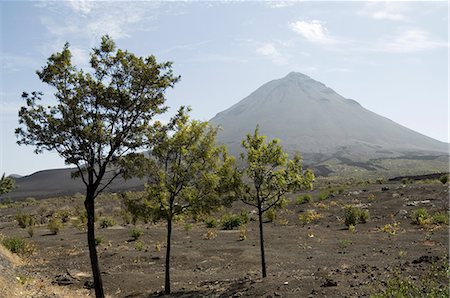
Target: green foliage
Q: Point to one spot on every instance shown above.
(25, 220)
(188, 171)
(444, 179)
(440, 218)
(138, 207)
(6, 184)
(136, 233)
(231, 221)
(306, 198)
(309, 216)
(419, 216)
(433, 285)
(64, 215)
(98, 240)
(211, 222)
(271, 175)
(354, 215)
(271, 215)
(107, 222)
(100, 116)
(139, 245)
(55, 225)
(18, 246)
(127, 217)
(268, 176)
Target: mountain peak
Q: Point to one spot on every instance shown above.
(294, 74)
(310, 117)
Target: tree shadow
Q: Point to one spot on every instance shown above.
(219, 289)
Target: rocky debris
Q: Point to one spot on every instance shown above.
(329, 283)
(64, 280)
(416, 203)
(426, 259)
(402, 214)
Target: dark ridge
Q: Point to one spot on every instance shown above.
(419, 177)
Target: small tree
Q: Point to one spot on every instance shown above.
(187, 173)
(6, 184)
(268, 177)
(99, 117)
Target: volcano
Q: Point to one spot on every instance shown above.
(311, 118)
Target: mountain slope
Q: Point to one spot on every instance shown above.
(311, 118)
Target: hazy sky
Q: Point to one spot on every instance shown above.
(392, 57)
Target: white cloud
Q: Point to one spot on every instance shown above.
(412, 40)
(280, 4)
(313, 31)
(80, 6)
(267, 49)
(270, 51)
(393, 11)
(117, 19)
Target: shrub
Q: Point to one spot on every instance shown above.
(309, 216)
(210, 234)
(25, 220)
(107, 222)
(211, 222)
(243, 214)
(306, 198)
(127, 217)
(55, 224)
(323, 195)
(271, 214)
(440, 218)
(139, 245)
(444, 178)
(231, 221)
(64, 215)
(136, 234)
(243, 233)
(18, 246)
(98, 240)
(354, 215)
(419, 216)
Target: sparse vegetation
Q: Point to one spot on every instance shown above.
(25, 220)
(444, 179)
(18, 246)
(98, 240)
(210, 234)
(306, 198)
(271, 215)
(55, 225)
(107, 222)
(211, 222)
(136, 234)
(419, 216)
(232, 221)
(309, 216)
(354, 215)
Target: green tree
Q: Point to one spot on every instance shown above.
(267, 177)
(6, 184)
(99, 117)
(189, 174)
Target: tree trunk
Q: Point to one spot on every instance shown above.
(169, 236)
(261, 243)
(90, 209)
